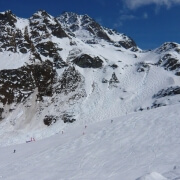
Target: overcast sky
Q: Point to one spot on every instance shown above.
(149, 22)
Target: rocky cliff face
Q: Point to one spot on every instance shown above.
(169, 59)
(70, 68)
(31, 37)
(91, 32)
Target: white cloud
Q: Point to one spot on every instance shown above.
(145, 15)
(127, 17)
(123, 18)
(118, 24)
(134, 4)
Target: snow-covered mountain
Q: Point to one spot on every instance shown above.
(70, 68)
(61, 74)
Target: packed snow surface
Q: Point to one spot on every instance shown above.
(152, 176)
(137, 146)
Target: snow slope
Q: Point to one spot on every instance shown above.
(102, 100)
(140, 75)
(143, 144)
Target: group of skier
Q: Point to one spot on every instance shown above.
(33, 139)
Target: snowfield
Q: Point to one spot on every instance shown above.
(137, 146)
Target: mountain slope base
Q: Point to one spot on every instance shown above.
(125, 148)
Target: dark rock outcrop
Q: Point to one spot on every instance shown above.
(104, 80)
(41, 21)
(68, 118)
(11, 38)
(41, 26)
(167, 47)
(69, 81)
(113, 79)
(142, 66)
(86, 61)
(17, 84)
(114, 66)
(170, 63)
(171, 91)
(127, 44)
(7, 18)
(49, 120)
(58, 62)
(48, 49)
(73, 22)
(70, 21)
(1, 111)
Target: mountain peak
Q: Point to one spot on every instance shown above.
(40, 14)
(7, 12)
(71, 17)
(91, 32)
(82, 26)
(8, 17)
(67, 13)
(168, 46)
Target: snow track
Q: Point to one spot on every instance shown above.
(127, 148)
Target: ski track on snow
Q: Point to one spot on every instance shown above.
(127, 148)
